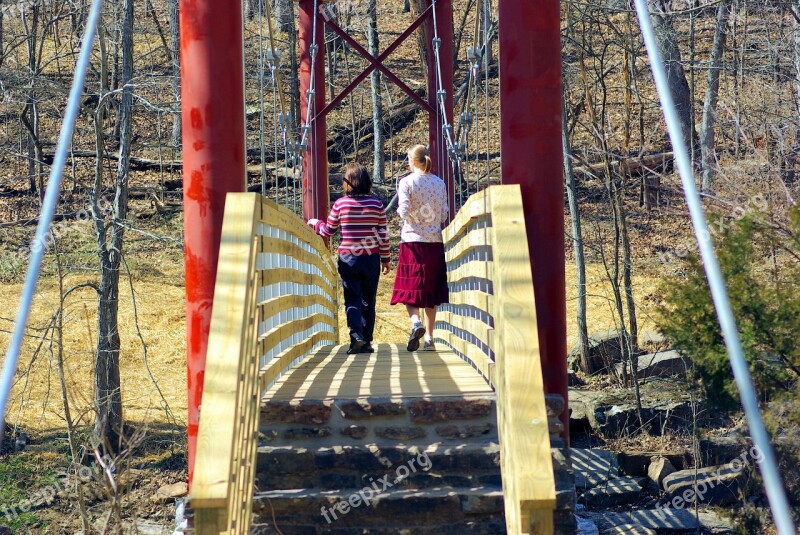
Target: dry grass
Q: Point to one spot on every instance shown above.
(36, 400)
(160, 303)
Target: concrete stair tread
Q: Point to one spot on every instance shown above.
(298, 460)
(392, 493)
(488, 447)
(388, 506)
(417, 409)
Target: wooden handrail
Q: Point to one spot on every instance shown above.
(262, 325)
(491, 322)
(251, 342)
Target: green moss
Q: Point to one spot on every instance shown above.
(24, 483)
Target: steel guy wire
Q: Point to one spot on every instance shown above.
(48, 208)
(768, 466)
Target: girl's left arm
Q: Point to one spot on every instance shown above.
(329, 227)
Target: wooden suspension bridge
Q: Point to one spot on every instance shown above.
(273, 362)
(284, 429)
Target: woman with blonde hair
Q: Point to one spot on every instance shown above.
(421, 281)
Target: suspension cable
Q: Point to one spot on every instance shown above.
(39, 243)
(275, 130)
(487, 48)
(276, 54)
(769, 470)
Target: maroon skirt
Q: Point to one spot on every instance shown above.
(421, 275)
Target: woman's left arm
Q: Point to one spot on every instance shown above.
(404, 198)
(444, 212)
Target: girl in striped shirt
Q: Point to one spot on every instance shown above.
(363, 252)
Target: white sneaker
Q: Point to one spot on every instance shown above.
(417, 332)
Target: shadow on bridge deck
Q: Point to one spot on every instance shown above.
(390, 372)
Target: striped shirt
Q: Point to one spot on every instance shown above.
(363, 225)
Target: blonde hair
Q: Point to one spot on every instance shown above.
(417, 154)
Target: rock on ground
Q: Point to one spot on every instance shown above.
(614, 492)
(170, 492)
(659, 468)
(593, 467)
(660, 364)
(605, 349)
(715, 485)
(629, 529)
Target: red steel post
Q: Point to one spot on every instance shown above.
(315, 159)
(530, 142)
(212, 104)
(437, 141)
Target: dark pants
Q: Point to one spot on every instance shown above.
(360, 275)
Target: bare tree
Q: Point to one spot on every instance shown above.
(175, 44)
(255, 7)
(2, 50)
(707, 143)
(378, 173)
(30, 113)
(577, 245)
(789, 174)
(667, 40)
(108, 396)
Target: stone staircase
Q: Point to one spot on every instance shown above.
(387, 466)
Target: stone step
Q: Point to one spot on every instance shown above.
(363, 510)
(381, 421)
(336, 467)
(419, 410)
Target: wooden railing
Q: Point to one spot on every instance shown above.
(274, 303)
(491, 322)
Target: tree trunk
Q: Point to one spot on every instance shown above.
(423, 39)
(667, 40)
(633, 327)
(255, 7)
(284, 13)
(151, 10)
(378, 174)
(108, 425)
(707, 144)
(487, 23)
(791, 161)
(577, 246)
(2, 55)
(175, 43)
(31, 106)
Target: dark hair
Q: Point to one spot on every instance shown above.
(356, 180)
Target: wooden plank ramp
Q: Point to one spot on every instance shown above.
(330, 373)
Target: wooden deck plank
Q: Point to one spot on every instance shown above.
(391, 371)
